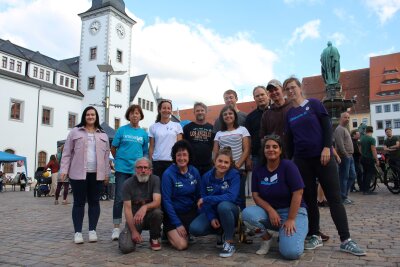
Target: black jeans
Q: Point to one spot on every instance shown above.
(328, 177)
(359, 172)
(159, 166)
(368, 165)
(86, 190)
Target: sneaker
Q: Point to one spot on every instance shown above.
(155, 244)
(351, 247)
(92, 236)
(227, 250)
(220, 241)
(347, 201)
(313, 242)
(265, 246)
(78, 239)
(115, 234)
(55, 202)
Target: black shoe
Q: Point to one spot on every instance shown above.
(323, 236)
(370, 193)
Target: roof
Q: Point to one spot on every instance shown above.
(135, 84)
(117, 4)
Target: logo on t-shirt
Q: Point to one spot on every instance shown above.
(270, 180)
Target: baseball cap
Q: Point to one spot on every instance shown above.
(274, 83)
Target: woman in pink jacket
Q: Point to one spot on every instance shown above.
(85, 160)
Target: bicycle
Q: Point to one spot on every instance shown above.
(388, 175)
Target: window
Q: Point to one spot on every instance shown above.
(147, 104)
(118, 85)
(72, 83)
(91, 82)
(140, 102)
(365, 121)
(12, 64)
(71, 120)
(61, 80)
(378, 109)
(42, 159)
(119, 56)
(143, 103)
(4, 62)
(396, 107)
(379, 125)
(19, 66)
(46, 116)
(386, 108)
(41, 75)
(355, 123)
(117, 122)
(381, 140)
(396, 123)
(9, 167)
(388, 123)
(151, 106)
(16, 110)
(66, 82)
(93, 53)
(47, 75)
(35, 72)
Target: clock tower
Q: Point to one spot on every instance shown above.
(105, 56)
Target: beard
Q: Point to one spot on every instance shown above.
(142, 178)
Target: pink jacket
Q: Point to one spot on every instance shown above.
(74, 156)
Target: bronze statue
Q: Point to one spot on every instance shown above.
(330, 65)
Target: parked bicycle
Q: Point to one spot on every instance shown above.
(386, 174)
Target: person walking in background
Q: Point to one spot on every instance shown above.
(238, 138)
(85, 161)
(199, 134)
(54, 166)
(355, 138)
(180, 188)
(60, 184)
(130, 143)
(309, 141)
(163, 135)
(277, 189)
(369, 158)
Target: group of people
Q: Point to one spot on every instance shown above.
(183, 182)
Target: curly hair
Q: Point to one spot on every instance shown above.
(182, 145)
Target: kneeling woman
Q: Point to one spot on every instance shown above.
(277, 189)
(180, 192)
(219, 201)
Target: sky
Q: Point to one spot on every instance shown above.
(194, 50)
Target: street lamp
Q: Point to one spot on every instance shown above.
(108, 70)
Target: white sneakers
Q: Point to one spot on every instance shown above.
(115, 234)
(265, 246)
(78, 239)
(92, 236)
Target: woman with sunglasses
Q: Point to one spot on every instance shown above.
(309, 141)
(277, 189)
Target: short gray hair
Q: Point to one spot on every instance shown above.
(201, 104)
(145, 159)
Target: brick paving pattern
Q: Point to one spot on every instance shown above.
(35, 232)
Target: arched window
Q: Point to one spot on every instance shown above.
(42, 159)
(9, 167)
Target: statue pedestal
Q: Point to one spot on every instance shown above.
(335, 103)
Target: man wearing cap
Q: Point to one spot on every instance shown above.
(274, 117)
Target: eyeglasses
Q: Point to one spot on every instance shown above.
(145, 168)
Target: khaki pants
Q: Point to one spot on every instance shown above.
(53, 183)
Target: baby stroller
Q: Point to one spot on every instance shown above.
(42, 187)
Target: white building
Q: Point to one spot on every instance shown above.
(42, 98)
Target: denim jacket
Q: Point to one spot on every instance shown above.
(74, 156)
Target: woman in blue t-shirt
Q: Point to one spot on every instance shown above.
(309, 142)
(180, 189)
(219, 201)
(277, 189)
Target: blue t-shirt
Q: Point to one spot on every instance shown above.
(277, 187)
(132, 144)
(304, 126)
(180, 192)
(214, 191)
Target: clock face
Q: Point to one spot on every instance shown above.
(120, 30)
(94, 27)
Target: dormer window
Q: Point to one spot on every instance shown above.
(4, 62)
(35, 72)
(12, 64)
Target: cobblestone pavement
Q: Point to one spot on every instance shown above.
(35, 232)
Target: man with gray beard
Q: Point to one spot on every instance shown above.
(142, 207)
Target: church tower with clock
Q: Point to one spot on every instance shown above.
(105, 56)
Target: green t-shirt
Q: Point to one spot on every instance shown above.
(391, 142)
(366, 143)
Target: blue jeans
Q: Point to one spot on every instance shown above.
(228, 214)
(291, 247)
(120, 178)
(347, 175)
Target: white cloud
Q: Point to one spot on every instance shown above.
(385, 9)
(337, 38)
(379, 53)
(308, 30)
